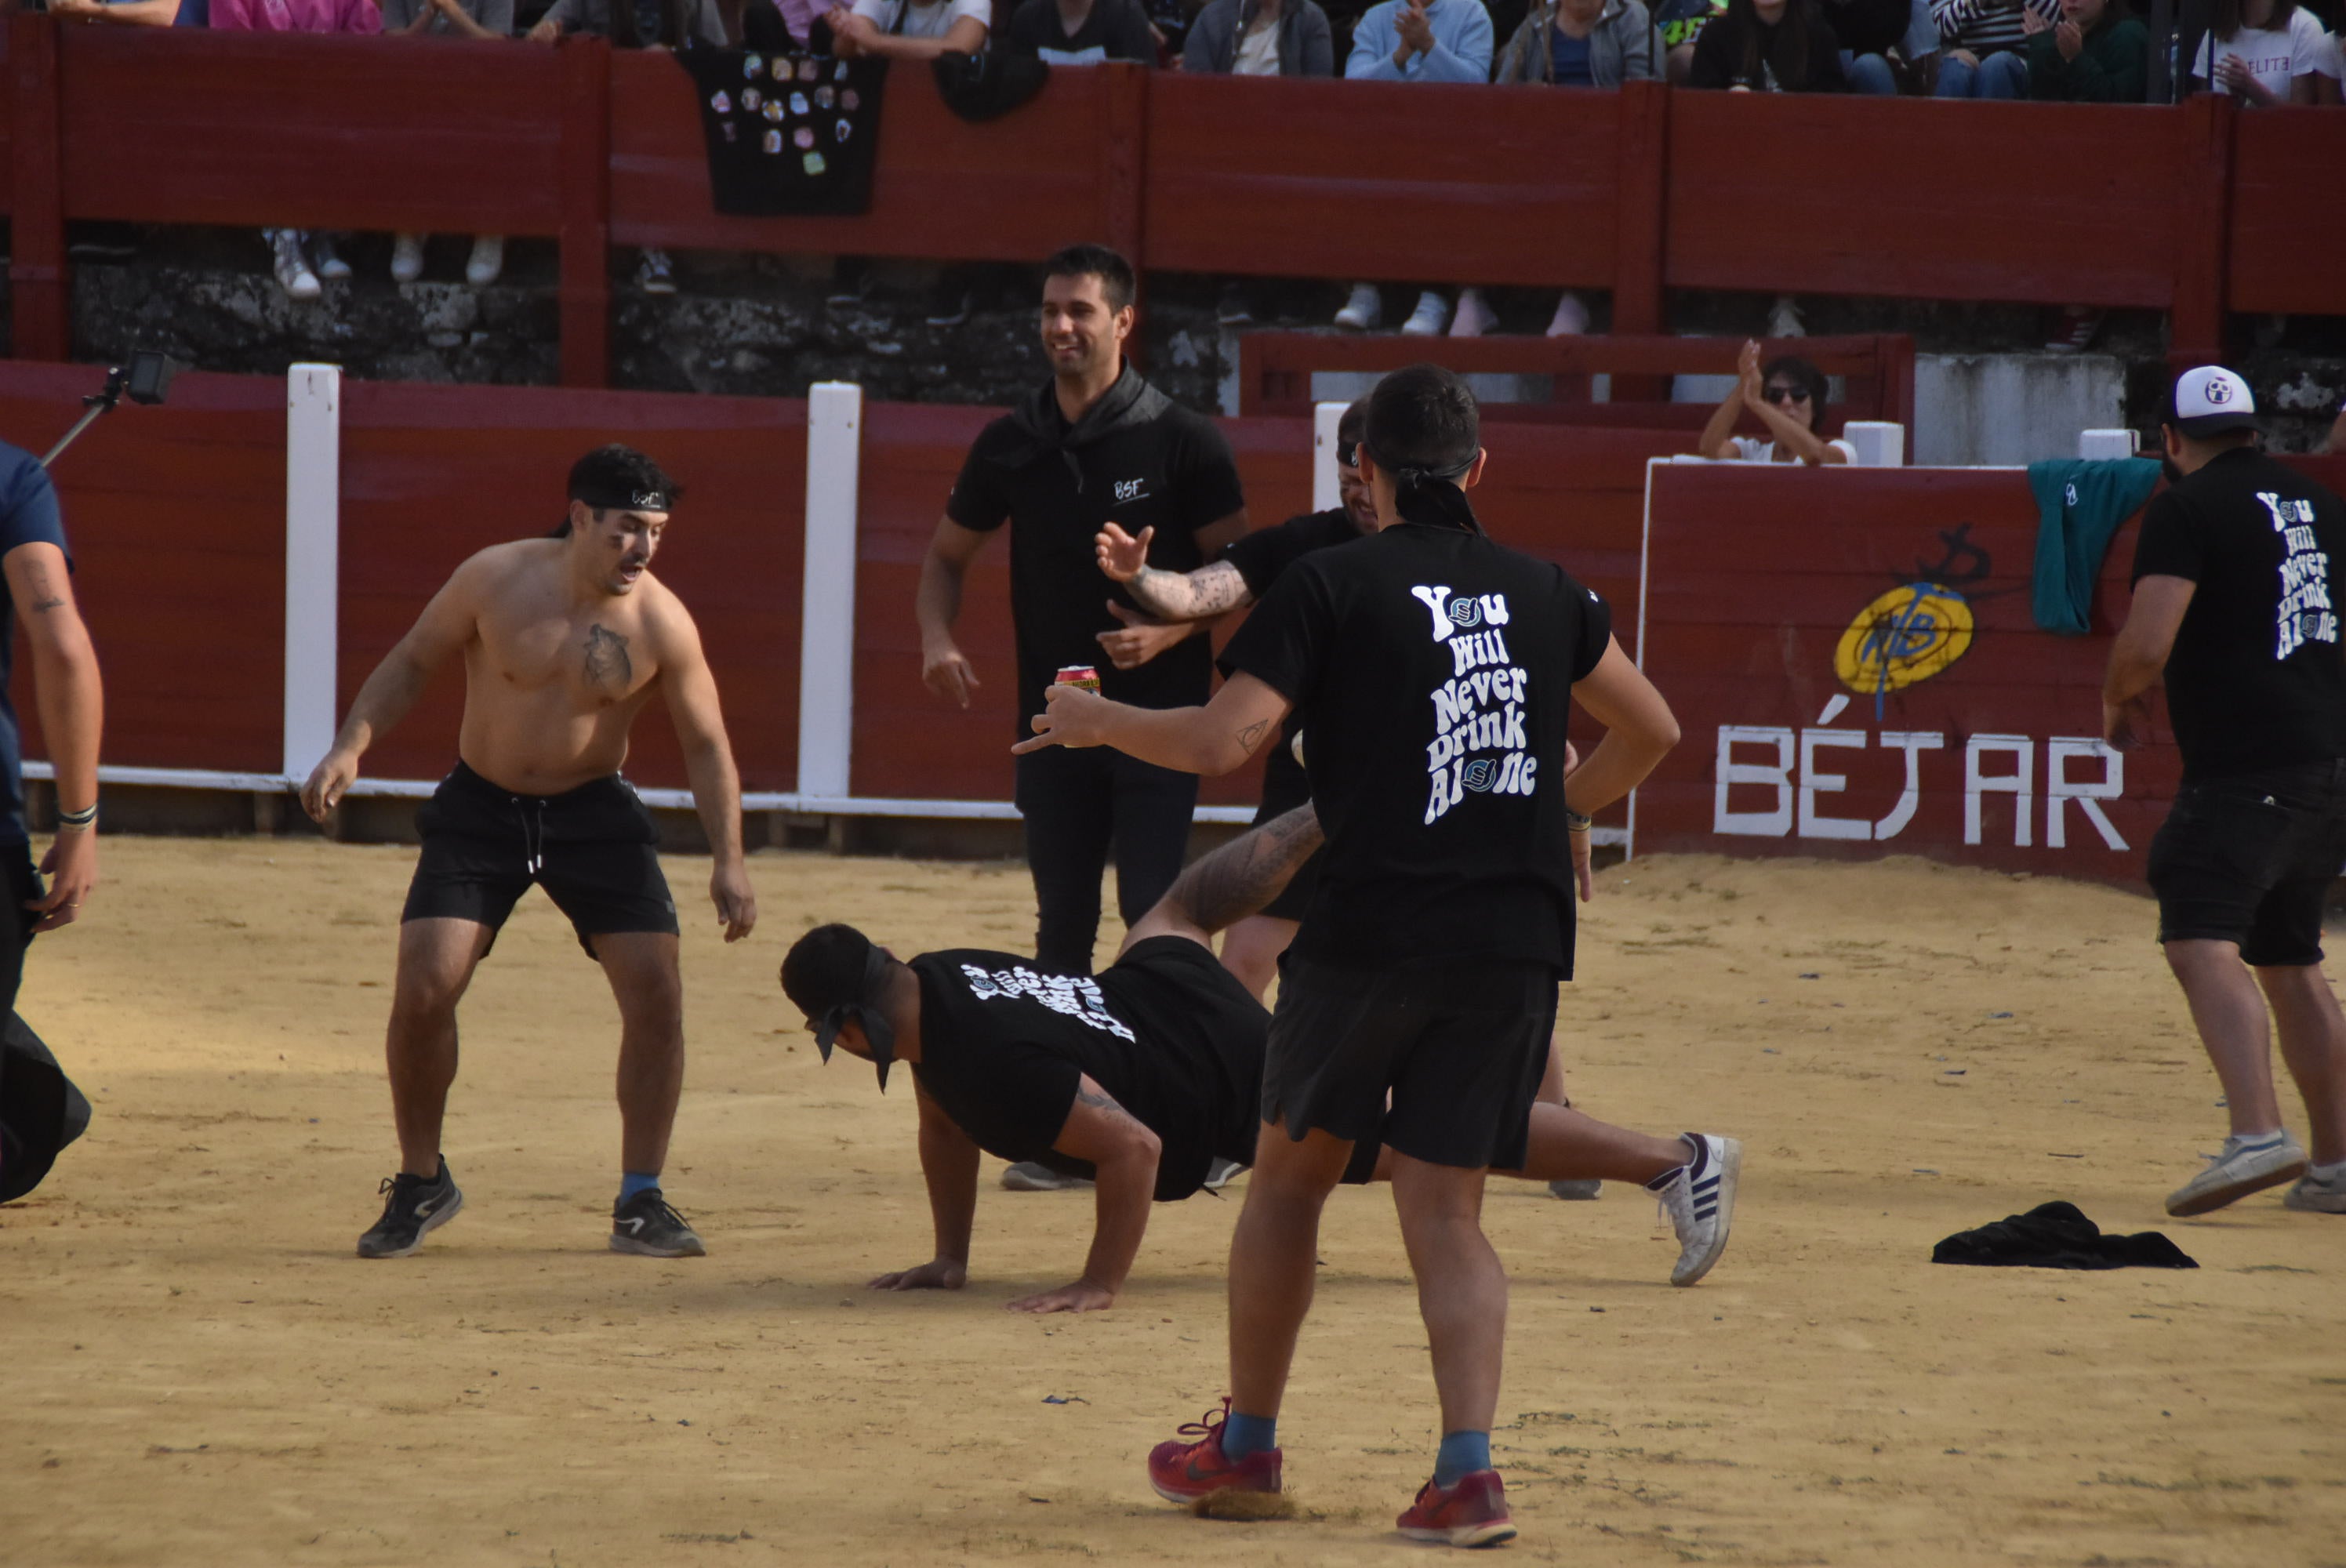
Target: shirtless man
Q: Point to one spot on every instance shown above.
(565, 640)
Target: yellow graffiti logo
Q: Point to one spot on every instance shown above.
(1909, 634)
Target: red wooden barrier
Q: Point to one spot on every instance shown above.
(432, 474)
(177, 520)
(2286, 253)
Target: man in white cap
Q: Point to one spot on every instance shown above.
(2236, 593)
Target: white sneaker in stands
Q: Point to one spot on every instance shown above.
(294, 274)
(1571, 318)
(1426, 320)
(488, 259)
(1784, 319)
(1475, 315)
(653, 273)
(406, 258)
(1363, 311)
(328, 260)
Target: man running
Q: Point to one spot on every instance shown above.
(565, 640)
(1438, 669)
(1142, 1076)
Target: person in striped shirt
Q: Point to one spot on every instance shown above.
(1987, 45)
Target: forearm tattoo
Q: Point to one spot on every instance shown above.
(607, 659)
(1221, 888)
(1189, 595)
(1102, 1101)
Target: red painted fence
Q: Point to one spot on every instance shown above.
(2196, 209)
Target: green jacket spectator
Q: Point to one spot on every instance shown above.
(2093, 55)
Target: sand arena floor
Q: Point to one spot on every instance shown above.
(197, 1371)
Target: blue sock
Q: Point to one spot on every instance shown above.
(634, 1182)
(1243, 1435)
(1462, 1454)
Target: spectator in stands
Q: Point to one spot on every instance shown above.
(1769, 46)
(1580, 44)
(2265, 52)
(1986, 43)
(1788, 395)
(1873, 32)
(120, 13)
(1680, 23)
(1421, 41)
(639, 25)
(300, 259)
(1261, 38)
(2096, 54)
(910, 29)
(1081, 32)
(449, 19)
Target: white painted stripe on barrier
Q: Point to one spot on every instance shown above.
(827, 618)
(1325, 491)
(314, 502)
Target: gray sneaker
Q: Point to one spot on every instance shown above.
(413, 1208)
(647, 1226)
(1218, 1174)
(1576, 1190)
(1028, 1177)
(2315, 1195)
(1700, 1199)
(2235, 1173)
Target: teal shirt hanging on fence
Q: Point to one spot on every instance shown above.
(2080, 506)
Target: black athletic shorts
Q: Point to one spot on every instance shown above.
(2249, 858)
(593, 849)
(1460, 1046)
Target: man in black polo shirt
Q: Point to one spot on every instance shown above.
(1243, 573)
(1094, 444)
(1438, 670)
(1139, 1079)
(2237, 588)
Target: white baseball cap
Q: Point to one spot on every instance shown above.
(2209, 400)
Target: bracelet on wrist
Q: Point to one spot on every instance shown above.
(78, 821)
(1576, 822)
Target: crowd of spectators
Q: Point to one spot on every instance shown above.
(2261, 52)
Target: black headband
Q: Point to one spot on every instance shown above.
(611, 498)
(864, 1013)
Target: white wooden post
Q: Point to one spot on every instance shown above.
(1324, 491)
(313, 512)
(1879, 443)
(2104, 443)
(827, 620)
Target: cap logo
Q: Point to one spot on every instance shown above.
(2217, 391)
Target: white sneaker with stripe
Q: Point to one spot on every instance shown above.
(1698, 1196)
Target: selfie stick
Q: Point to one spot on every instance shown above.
(145, 379)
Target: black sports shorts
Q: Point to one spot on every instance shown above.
(593, 849)
(1460, 1045)
(2249, 858)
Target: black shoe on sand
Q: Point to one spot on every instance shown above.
(645, 1225)
(417, 1207)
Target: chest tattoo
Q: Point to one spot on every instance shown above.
(607, 659)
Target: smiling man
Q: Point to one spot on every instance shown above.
(1094, 445)
(565, 640)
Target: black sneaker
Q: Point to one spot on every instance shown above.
(418, 1206)
(645, 1223)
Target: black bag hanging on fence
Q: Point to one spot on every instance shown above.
(789, 135)
(40, 1110)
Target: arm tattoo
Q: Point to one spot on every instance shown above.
(607, 659)
(1103, 1101)
(1234, 882)
(1189, 595)
(1251, 736)
(46, 605)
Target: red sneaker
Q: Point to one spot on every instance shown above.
(1186, 1471)
(1472, 1513)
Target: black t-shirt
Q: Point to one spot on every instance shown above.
(1721, 59)
(2255, 678)
(1172, 472)
(28, 515)
(1115, 30)
(1260, 556)
(1437, 669)
(1167, 1031)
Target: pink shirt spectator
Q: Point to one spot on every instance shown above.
(298, 16)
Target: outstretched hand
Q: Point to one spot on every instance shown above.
(1122, 556)
(1083, 1296)
(937, 1274)
(1070, 717)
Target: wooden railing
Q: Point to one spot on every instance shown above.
(2196, 210)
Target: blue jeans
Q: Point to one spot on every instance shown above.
(2000, 75)
(1868, 74)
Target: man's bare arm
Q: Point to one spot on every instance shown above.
(1211, 590)
(1210, 740)
(446, 625)
(2139, 655)
(72, 702)
(693, 707)
(1218, 889)
(1123, 1155)
(949, 1168)
(936, 605)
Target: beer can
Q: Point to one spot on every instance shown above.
(1082, 674)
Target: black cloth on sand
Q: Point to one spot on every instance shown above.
(2058, 1236)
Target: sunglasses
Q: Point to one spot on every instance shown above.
(1786, 395)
